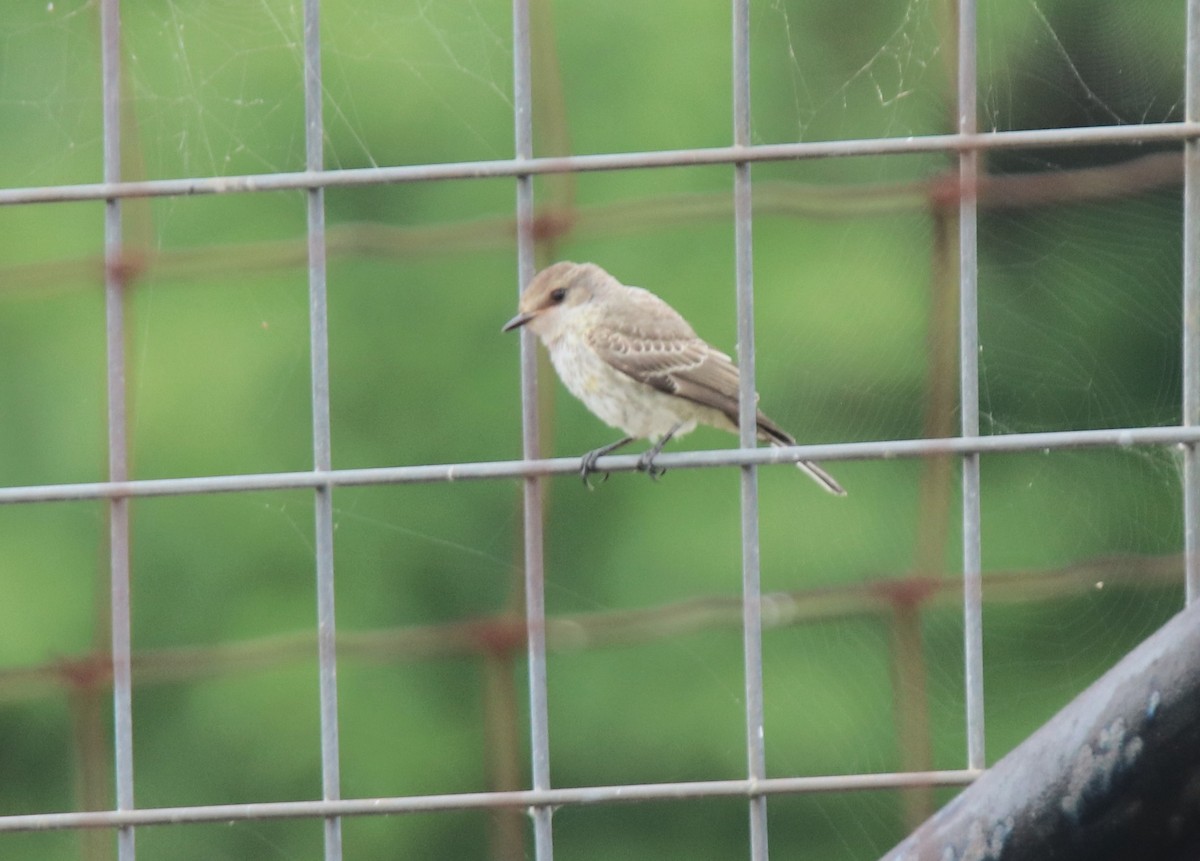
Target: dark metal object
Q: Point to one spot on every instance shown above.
(1114, 775)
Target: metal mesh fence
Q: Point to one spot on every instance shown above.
(542, 798)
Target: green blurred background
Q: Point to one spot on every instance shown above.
(1080, 322)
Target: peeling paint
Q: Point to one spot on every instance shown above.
(1152, 705)
(1097, 764)
(984, 842)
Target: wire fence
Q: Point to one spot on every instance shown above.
(542, 798)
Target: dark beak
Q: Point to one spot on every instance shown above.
(518, 321)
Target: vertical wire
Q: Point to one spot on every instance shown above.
(969, 383)
(1191, 308)
(535, 596)
(322, 444)
(118, 462)
(747, 411)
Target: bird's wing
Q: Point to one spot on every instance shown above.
(668, 356)
(657, 347)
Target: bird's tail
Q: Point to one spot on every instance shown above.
(821, 477)
(770, 432)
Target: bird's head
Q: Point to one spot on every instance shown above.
(555, 291)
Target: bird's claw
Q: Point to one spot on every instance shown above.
(646, 464)
(587, 468)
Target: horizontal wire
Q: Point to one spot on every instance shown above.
(484, 800)
(481, 470)
(1130, 134)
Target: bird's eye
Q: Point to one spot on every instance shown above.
(558, 294)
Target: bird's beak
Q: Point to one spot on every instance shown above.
(518, 321)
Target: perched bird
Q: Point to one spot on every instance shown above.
(636, 363)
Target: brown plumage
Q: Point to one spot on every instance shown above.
(636, 363)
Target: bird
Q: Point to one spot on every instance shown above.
(636, 364)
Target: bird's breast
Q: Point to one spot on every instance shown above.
(617, 399)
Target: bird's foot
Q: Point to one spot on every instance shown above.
(646, 461)
(587, 468)
(646, 464)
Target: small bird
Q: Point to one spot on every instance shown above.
(636, 363)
